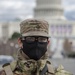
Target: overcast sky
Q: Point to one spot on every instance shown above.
(10, 9)
(69, 9)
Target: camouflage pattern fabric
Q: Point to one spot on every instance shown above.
(31, 67)
(60, 71)
(33, 27)
(2, 72)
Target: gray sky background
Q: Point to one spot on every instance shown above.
(10, 9)
(69, 8)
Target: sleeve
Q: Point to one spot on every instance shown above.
(60, 71)
(2, 72)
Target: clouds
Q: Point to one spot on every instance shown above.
(69, 9)
(11, 9)
(69, 5)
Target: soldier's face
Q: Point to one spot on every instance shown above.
(34, 46)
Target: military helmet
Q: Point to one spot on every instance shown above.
(34, 27)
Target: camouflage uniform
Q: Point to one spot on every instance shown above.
(26, 66)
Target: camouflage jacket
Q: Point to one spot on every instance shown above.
(26, 66)
(31, 67)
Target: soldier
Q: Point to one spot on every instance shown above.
(33, 56)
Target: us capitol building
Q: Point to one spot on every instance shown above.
(60, 28)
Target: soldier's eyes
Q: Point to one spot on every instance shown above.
(32, 39)
(42, 39)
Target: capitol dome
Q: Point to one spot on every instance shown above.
(49, 9)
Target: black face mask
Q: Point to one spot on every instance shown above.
(34, 50)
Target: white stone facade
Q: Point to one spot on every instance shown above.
(60, 28)
(52, 11)
(49, 9)
(8, 28)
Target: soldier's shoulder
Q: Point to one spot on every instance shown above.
(57, 70)
(61, 71)
(12, 65)
(2, 72)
